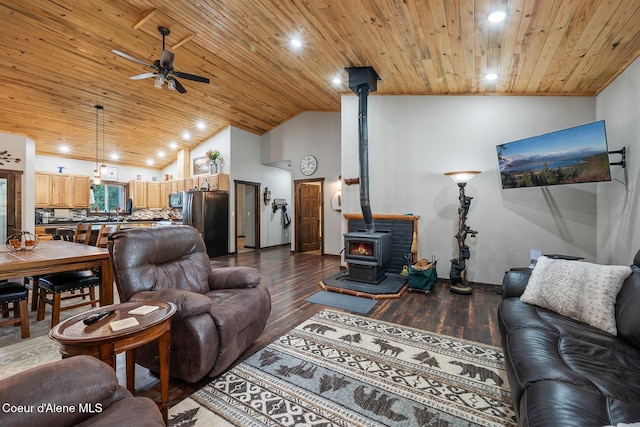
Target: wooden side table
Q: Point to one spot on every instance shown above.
(100, 341)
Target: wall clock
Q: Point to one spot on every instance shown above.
(308, 164)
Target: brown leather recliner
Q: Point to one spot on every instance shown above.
(220, 311)
(79, 390)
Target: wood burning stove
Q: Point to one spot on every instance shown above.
(367, 254)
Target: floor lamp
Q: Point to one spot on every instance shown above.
(458, 273)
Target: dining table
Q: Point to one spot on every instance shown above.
(56, 256)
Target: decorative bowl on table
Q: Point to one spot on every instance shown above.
(22, 241)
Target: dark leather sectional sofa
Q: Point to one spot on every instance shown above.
(565, 373)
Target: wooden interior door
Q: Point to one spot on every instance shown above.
(309, 218)
(10, 203)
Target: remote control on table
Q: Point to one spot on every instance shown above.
(90, 320)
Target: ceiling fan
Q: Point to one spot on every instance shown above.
(163, 68)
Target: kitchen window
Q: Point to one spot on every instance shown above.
(108, 197)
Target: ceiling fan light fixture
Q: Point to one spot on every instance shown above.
(171, 84)
(160, 81)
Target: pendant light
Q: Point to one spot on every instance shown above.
(103, 166)
(96, 172)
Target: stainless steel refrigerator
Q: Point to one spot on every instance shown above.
(208, 212)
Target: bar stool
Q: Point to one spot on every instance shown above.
(13, 297)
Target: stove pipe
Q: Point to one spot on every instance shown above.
(362, 81)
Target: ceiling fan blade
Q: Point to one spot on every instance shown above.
(191, 77)
(166, 59)
(131, 58)
(142, 76)
(179, 86)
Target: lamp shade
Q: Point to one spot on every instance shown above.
(462, 177)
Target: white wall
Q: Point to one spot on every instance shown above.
(413, 140)
(316, 133)
(83, 167)
(246, 165)
(23, 148)
(619, 200)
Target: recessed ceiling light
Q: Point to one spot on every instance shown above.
(150, 162)
(201, 125)
(114, 156)
(64, 149)
(497, 16)
(490, 76)
(186, 135)
(295, 42)
(173, 145)
(160, 153)
(336, 81)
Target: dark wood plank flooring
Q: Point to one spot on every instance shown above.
(292, 277)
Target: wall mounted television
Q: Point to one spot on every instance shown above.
(569, 156)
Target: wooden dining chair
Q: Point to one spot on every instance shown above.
(103, 235)
(83, 233)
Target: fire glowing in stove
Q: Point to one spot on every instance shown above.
(361, 249)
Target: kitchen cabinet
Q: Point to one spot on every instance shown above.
(190, 183)
(42, 189)
(154, 199)
(138, 194)
(81, 191)
(216, 182)
(61, 190)
(165, 190)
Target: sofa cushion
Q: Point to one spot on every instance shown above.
(627, 319)
(580, 290)
(552, 403)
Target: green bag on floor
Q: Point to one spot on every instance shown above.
(423, 279)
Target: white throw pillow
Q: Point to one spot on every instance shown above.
(580, 290)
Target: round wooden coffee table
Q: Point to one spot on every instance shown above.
(100, 341)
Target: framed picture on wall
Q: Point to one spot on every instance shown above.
(109, 174)
(201, 165)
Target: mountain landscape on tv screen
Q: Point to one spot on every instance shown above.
(571, 156)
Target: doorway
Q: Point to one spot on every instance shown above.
(10, 203)
(309, 208)
(247, 218)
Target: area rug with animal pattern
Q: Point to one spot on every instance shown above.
(340, 369)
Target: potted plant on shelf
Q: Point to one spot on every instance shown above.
(215, 159)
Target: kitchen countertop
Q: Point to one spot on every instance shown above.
(72, 224)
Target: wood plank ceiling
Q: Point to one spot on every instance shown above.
(56, 62)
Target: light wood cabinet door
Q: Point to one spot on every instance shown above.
(138, 194)
(222, 183)
(165, 190)
(153, 195)
(42, 189)
(217, 181)
(61, 190)
(81, 186)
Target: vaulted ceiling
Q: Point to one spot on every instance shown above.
(57, 63)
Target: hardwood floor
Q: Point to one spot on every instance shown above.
(293, 277)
